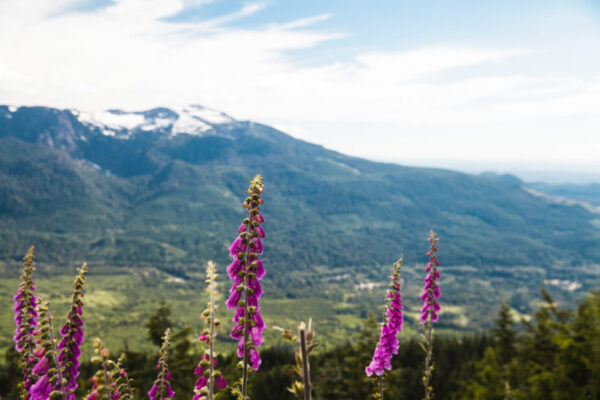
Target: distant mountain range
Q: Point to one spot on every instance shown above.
(164, 188)
(587, 193)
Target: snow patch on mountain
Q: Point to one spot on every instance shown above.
(112, 120)
(190, 125)
(156, 123)
(191, 120)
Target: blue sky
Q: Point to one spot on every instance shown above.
(504, 85)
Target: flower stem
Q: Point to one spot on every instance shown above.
(246, 316)
(211, 381)
(381, 387)
(54, 354)
(428, 366)
(107, 379)
(305, 365)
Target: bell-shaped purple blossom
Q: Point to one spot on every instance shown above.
(42, 366)
(42, 388)
(72, 336)
(255, 360)
(203, 371)
(388, 340)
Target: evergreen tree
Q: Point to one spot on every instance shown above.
(504, 335)
(158, 322)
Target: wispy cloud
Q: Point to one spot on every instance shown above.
(246, 10)
(302, 22)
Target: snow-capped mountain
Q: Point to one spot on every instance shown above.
(190, 120)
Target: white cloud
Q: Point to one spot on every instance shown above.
(128, 56)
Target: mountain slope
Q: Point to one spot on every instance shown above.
(163, 188)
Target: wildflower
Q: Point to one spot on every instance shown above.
(392, 325)
(431, 291)
(72, 335)
(42, 388)
(388, 340)
(26, 321)
(430, 310)
(246, 270)
(208, 377)
(161, 389)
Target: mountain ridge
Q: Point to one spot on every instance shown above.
(152, 197)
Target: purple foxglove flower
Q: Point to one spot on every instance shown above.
(259, 269)
(252, 301)
(237, 331)
(161, 389)
(430, 310)
(246, 270)
(42, 366)
(431, 290)
(26, 321)
(72, 335)
(234, 299)
(201, 382)
(234, 268)
(42, 388)
(256, 245)
(221, 382)
(254, 285)
(256, 336)
(388, 340)
(258, 321)
(255, 360)
(238, 246)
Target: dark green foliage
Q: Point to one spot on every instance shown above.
(504, 334)
(10, 374)
(557, 356)
(344, 371)
(158, 322)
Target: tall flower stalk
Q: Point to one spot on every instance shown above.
(246, 270)
(161, 389)
(26, 321)
(208, 376)
(430, 310)
(72, 335)
(392, 325)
